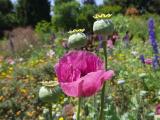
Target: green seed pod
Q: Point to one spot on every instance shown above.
(47, 95)
(103, 26)
(77, 40)
(143, 75)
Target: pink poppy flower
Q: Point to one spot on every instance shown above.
(158, 109)
(148, 61)
(81, 73)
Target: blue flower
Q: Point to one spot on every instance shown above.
(155, 62)
(152, 36)
(142, 59)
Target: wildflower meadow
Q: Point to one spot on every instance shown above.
(79, 60)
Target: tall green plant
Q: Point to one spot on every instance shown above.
(65, 15)
(32, 11)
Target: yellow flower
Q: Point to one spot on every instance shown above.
(3, 74)
(110, 58)
(1, 98)
(55, 78)
(10, 68)
(23, 91)
(30, 114)
(18, 113)
(61, 118)
(121, 55)
(113, 94)
(9, 71)
(41, 61)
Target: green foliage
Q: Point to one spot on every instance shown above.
(8, 21)
(121, 23)
(43, 27)
(59, 2)
(7, 17)
(135, 25)
(32, 11)
(153, 6)
(142, 5)
(44, 30)
(65, 15)
(85, 18)
(5, 6)
(114, 9)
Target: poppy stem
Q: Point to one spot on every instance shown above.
(101, 117)
(105, 52)
(78, 112)
(50, 111)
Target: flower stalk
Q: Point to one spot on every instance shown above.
(50, 111)
(79, 105)
(101, 117)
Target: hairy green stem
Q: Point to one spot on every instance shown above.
(101, 117)
(50, 111)
(78, 112)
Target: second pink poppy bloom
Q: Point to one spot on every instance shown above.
(81, 73)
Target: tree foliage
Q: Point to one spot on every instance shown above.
(69, 15)
(65, 14)
(153, 6)
(85, 18)
(7, 16)
(142, 5)
(89, 2)
(5, 6)
(59, 2)
(32, 11)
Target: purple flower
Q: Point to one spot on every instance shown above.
(155, 62)
(152, 36)
(142, 59)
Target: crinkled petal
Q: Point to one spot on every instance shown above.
(66, 73)
(87, 85)
(78, 63)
